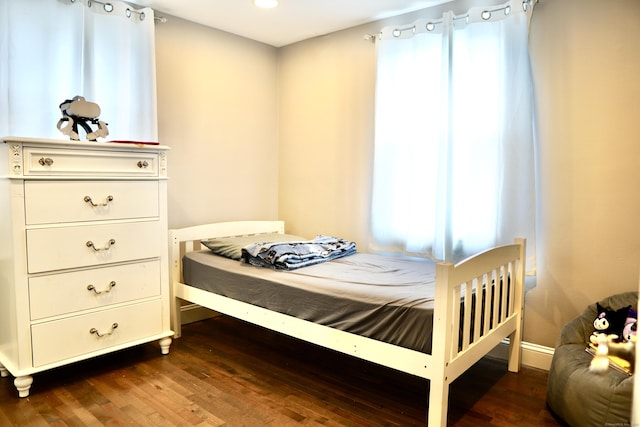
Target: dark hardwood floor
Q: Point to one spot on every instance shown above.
(223, 372)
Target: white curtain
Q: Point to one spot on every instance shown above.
(454, 144)
(53, 50)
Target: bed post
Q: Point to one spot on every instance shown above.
(438, 401)
(174, 277)
(515, 339)
(441, 348)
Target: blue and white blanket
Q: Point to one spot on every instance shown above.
(293, 255)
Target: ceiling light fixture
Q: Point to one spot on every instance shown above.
(266, 4)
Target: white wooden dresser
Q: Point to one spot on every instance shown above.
(83, 252)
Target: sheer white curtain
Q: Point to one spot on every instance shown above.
(53, 50)
(454, 146)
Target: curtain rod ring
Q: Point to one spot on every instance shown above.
(398, 31)
(108, 7)
(129, 11)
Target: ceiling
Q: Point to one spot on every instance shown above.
(290, 22)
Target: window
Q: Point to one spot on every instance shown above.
(454, 146)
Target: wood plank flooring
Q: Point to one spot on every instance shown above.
(224, 372)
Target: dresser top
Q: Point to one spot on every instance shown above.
(40, 158)
(84, 144)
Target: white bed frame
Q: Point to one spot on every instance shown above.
(453, 282)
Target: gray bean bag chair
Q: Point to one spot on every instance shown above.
(578, 396)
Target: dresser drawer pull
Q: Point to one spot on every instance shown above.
(96, 332)
(48, 161)
(143, 164)
(106, 291)
(106, 248)
(88, 200)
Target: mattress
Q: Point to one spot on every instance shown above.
(385, 298)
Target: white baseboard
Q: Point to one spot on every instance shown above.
(537, 356)
(190, 313)
(533, 355)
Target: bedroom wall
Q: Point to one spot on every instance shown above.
(235, 157)
(586, 67)
(326, 104)
(218, 111)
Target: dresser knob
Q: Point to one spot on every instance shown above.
(93, 331)
(88, 200)
(106, 291)
(45, 161)
(143, 164)
(106, 248)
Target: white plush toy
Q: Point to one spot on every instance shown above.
(78, 111)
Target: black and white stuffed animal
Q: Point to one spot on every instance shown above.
(78, 111)
(610, 322)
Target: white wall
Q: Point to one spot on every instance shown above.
(218, 111)
(326, 112)
(586, 63)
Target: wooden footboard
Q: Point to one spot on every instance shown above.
(478, 304)
(493, 281)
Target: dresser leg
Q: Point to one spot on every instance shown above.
(165, 343)
(3, 371)
(23, 384)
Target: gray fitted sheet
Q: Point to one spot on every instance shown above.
(386, 298)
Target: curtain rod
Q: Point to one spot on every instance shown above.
(431, 25)
(108, 7)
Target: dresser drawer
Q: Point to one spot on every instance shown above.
(64, 293)
(58, 162)
(91, 245)
(67, 201)
(77, 335)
